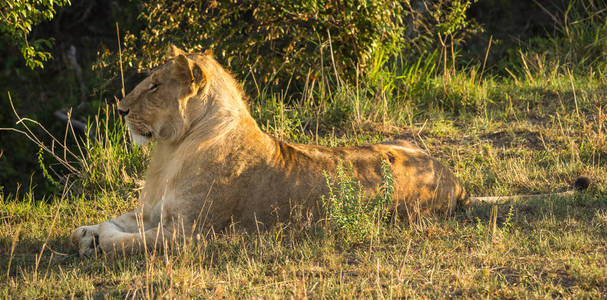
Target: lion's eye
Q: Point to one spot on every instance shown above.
(153, 86)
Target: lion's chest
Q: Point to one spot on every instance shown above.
(159, 192)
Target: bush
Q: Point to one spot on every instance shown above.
(18, 19)
(275, 41)
(353, 216)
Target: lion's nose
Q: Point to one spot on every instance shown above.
(123, 112)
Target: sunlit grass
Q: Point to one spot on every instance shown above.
(499, 135)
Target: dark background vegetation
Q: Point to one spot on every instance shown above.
(270, 46)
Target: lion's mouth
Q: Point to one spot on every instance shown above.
(139, 137)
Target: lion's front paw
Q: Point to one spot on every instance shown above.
(86, 240)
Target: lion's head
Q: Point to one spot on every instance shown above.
(159, 108)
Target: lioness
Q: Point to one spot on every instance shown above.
(212, 165)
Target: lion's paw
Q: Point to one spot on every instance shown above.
(86, 240)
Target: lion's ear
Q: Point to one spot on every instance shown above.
(198, 74)
(173, 51)
(182, 70)
(187, 71)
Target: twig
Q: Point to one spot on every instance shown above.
(120, 58)
(69, 124)
(486, 56)
(577, 111)
(55, 217)
(13, 246)
(32, 137)
(333, 61)
(552, 16)
(75, 123)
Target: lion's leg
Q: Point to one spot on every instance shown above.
(131, 233)
(87, 238)
(115, 242)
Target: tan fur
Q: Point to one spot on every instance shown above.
(213, 166)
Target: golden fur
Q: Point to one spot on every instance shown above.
(213, 166)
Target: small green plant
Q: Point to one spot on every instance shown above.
(507, 226)
(354, 217)
(480, 228)
(42, 166)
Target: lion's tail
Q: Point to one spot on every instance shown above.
(580, 184)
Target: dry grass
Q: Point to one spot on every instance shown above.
(514, 136)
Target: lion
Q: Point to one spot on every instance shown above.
(212, 166)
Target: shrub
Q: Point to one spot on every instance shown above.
(275, 41)
(354, 217)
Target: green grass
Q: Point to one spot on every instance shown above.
(529, 133)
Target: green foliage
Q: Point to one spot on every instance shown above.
(274, 41)
(581, 42)
(18, 19)
(101, 161)
(281, 43)
(439, 25)
(508, 223)
(398, 79)
(386, 190)
(480, 229)
(354, 216)
(453, 19)
(110, 162)
(44, 170)
(573, 42)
